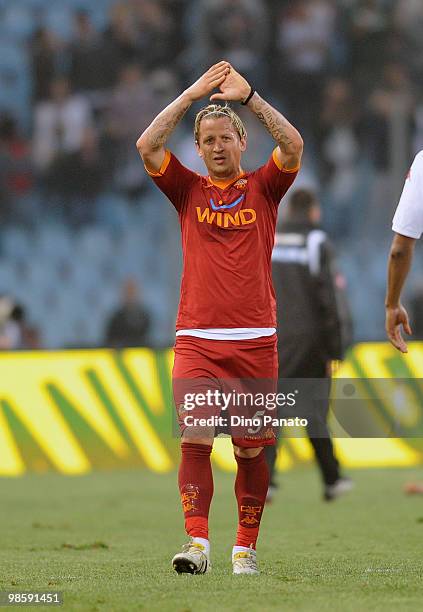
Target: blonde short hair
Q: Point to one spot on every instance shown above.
(216, 111)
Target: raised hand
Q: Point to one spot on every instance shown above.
(233, 88)
(208, 81)
(395, 318)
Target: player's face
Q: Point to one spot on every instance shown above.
(220, 147)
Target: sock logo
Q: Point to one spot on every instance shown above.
(189, 495)
(250, 515)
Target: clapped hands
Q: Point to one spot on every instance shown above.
(232, 85)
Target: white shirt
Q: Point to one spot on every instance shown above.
(408, 218)
(234, 333)
(59, 127)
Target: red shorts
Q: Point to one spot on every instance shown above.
(242, 369)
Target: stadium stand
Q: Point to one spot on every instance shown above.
(65, 256)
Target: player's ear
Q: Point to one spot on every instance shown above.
(243, 144)
(199, 151)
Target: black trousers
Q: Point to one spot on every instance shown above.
(301, 357)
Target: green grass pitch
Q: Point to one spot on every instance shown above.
(105, 540)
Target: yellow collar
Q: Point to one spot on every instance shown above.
(224, 184)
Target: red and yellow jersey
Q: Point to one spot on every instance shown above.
(228, 231)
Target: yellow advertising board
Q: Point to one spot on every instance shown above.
(75, 411)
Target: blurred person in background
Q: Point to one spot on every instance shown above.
(243, 36)
(15, 331)
(408, 227)
(28, 333)
(130, 324)
(226, 319)
(164, 85)
(46, 51)
(10, 336)
(408, 19)
(60, 123)
(339, 156)
(121, 37)
(238, 38)
(91, 58)
(369, 33)
(16, 172)
(61, 127)
(130, 104)
(416, 308)
(314, 326)
(80, 177)
(387, 134)
(157, 32)
(391, 93)
(305, 31)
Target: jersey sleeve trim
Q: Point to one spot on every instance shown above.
(163, 167)
(405, 232)
(280, 166)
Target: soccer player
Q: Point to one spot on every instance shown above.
(226, 324)
(408, 227)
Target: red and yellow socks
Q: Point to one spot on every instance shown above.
(196, 488)
(251, 484)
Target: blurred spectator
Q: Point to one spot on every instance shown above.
(91, 58)
(63, 146)
(416, 311)
(121, 37)
(131, 109)
(9, 330)
(388, 130)
(369, 33)
(164, 86)
(129, 325)
(46, 59)
(304, 38)
(237, 30)
(418, 119)
(408, 18)
(391, 94)
(87, 172)
(15, 332)
(60, 124)
(16, 176)
(339, 154)
(157, 34)
(78, 178)
(28, 334)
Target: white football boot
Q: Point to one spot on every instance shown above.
(245, 562)
(192, 560)
(339, 487)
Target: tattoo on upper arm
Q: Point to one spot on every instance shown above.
(275, 123)
(163, 125)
